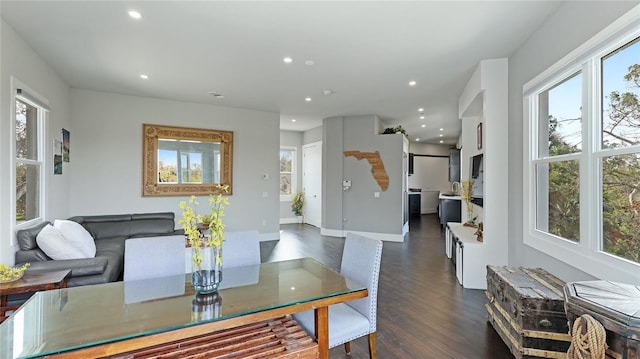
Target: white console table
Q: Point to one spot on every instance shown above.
(462, 245)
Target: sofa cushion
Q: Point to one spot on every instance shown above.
(151, 227)
(54, 245)
(77, 235)
(115, 225)
(27, 237)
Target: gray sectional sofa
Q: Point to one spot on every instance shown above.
(109, 233)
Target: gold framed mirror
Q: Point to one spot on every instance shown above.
(179, 161)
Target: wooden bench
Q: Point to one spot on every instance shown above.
(280, 338)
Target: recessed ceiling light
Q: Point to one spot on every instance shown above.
(417, 140)
(144, 76)
(287, 60)
(441, 141)
(422, 117)
(293, 120)
(134, 14)
(442, 129)
(423, 125)
(216, 95)
(327, 92)
(441, 135)
(308, 99)
(421, 109)
(412, 83)
(309, 62)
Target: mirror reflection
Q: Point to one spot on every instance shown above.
(184, 161)
(181, 161)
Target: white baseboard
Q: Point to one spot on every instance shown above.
(291, 220)
(269, 236)
(381, 236)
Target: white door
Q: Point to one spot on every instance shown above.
(312, 183)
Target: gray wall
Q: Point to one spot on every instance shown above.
(17, 59)
(357, 209)
(106, 152)
(312, 135)
(294, 139)
(573, 24)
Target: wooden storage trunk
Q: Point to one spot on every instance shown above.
(526, 308)
(616, 306)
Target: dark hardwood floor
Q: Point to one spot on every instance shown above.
(422, 310)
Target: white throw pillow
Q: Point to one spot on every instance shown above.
(77, 235)
(53, 244)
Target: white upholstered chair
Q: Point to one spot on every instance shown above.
(240, 248)
(357, 318)
(153, 268)
(153, 257)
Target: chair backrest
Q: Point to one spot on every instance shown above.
(361, 264)
(153, 257)
(241, 248)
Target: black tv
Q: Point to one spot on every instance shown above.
(476, 165)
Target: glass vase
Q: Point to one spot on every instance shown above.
(206, 307)
(206, 268)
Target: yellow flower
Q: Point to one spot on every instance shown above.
(191, 221)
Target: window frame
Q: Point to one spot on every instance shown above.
(32, 98)
(294, 172)
(586, 255)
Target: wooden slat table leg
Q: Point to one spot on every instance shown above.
(322, 331)
(3, 307)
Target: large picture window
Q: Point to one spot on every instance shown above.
(582, 201)
(29, 158)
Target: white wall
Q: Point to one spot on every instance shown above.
(484, 100)
(106, 153)
(431, 172)
(18, 60)
(573, 24)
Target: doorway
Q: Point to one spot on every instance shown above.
(312, 183)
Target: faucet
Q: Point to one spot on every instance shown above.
(455, 187)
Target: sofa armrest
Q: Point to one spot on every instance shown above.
(32, 255)
(79, 267)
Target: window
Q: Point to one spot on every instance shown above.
(287, 172)
(557, 165)
(582, 175)
(29, 158)
(199, 162)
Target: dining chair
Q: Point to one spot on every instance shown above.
(240, 248)
(357, 318)
(153, 257)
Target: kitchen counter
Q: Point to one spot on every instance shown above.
(445, 195)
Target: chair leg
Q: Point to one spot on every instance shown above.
(347, 348)
(372, 346)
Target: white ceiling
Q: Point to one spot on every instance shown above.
(364, 51)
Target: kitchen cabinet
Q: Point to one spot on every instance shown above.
(414, 203)
(450, 209)
(467, 254)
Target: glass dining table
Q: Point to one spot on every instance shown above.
(107, 319)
